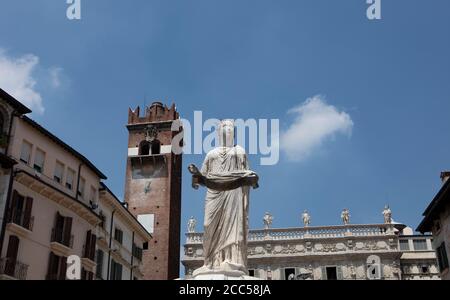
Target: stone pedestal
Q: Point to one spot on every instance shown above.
(218, 276)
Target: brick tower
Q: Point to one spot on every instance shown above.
(153, 187)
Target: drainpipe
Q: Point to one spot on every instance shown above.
(78, 181)
(110, 243)
(7, 204)
(132, 256)
(14, 114)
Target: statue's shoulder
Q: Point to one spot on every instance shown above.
(239, 150)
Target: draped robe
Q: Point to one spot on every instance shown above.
(226, 210)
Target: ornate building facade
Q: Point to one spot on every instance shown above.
(343, 252)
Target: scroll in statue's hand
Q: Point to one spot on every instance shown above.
(223, 182)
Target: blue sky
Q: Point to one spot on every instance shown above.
(251, 59)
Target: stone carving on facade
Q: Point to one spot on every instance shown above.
(151, 133)
(309, 246)
(345, 216)
(268, 248)
(256, 251)
(329, 247)
(387, 213)
(306, 218)
(268, 219)
(286, 249)
(191, 224)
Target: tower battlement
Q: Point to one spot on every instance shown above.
(156, 112)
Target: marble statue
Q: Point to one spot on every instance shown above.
(345, 216)
(226, 175)
(306, 218)
(191, 225)
(387, 213)
(268, 219)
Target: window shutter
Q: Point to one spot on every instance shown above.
(113, 270)
(27, 215)
(99, 261)
(59, 228)
(324, 273)
(52, 266)
(11, 255)
(39, 159)
(340, 276)
(118, 272)
(67, 231)
(13, 204)
(87, 245)
(92, 250)
(62, 268)
(83, 274)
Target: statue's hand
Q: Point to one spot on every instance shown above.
(197, 177)
(193, 169)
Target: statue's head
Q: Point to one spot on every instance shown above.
(226, 133)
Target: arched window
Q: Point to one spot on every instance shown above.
(156, 147)
(144, 148)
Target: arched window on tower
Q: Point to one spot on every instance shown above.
(144, 148)
(156, 147)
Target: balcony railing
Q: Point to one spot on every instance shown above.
(336, 231)
(22, 219)
(58, 236)
(13, 268)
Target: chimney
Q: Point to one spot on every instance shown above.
(445, 176)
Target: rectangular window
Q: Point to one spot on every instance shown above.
(331, 273)
(25, 154)
(289, 273)
(39, 160)
(20, 211)
(93, 196)
(137, 252)
(57, 267)
(116, 271)
(404, 245)
(11, 255)
(103, 220)
(118, 235)
(69, 179)
(99, 260)
(420, 245)
(62, 232)
(59, 172)
(442, 257)
(81, 187)
(251, 273)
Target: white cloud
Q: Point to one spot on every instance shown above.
(315, 122)
(16, 78)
